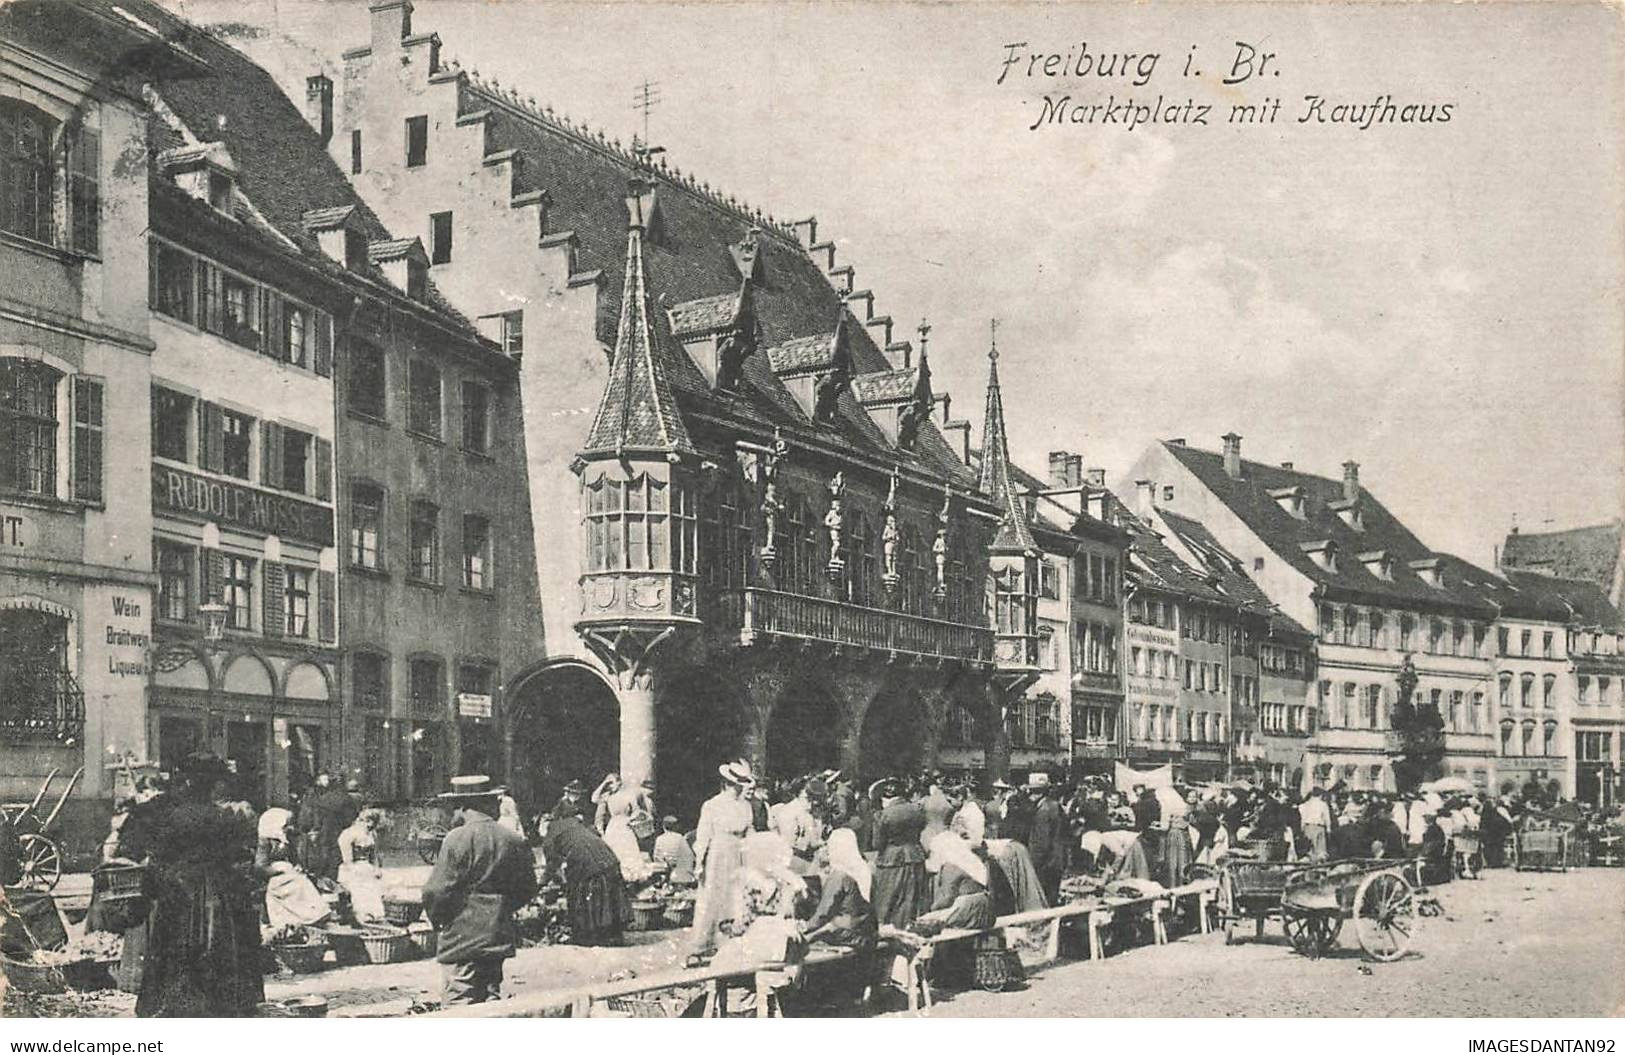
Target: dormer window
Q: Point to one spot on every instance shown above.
(1290, 499)
(1429, 571)
(220, 192)
(417, 280)
(1323, 553)
(1379, 563)
(355, 250)
(1348, 511)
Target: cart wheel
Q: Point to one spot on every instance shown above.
(429, 840)
(1385, 916)
(1312, 934)
(41, 861)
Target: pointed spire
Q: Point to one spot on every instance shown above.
(1014, 534)
(638, 411)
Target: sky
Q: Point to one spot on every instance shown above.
(1440, 302)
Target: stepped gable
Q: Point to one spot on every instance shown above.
(282, 168)
(1249, 498)
(1589, 553)
(1227, 569)
(689, 269)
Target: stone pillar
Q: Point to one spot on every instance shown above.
(855, 689)
(761, 686)
(995, 736)
(637, 699)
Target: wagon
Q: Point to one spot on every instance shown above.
(39, 853)
(1249, 889)
(1542, 849)
(1374, 894)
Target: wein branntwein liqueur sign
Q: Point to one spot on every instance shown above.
(250, 508)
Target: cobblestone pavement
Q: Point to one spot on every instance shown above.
(1511, 944)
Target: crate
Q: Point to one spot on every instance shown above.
(386, 944)
(305, 958)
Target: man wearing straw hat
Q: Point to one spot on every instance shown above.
(484, 873)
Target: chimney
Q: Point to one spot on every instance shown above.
(1177, 441)
(391, 24)
(1096, 476)
(1145, 497)
(319, 105)
(959, 437)
(806, 231)
(1058, 465)
(1351, 480)
(944, 400)
(1095, 505)
(1286, 465)
(1232, 455)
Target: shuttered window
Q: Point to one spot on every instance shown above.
(87, 439)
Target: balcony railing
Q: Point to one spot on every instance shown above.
(51, 709)
(756, 611)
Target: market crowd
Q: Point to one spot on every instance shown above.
(765, 872)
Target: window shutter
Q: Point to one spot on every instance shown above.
(273, 342)
(323, 453)
(87, 439)
(214, 575)
(324, 344)
(270, 454)
(84, 150)
(274, 586)
(211, 437)
(211, 316)
(327, 606)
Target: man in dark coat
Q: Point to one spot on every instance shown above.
(594, 889)
(1147, 810)
(483, 874)
(1017, 822)
(1048, 838)
(326, 813)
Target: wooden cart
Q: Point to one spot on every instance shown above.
(1542, 850)
(1374, 894)
(1249, 888)
(38, 850)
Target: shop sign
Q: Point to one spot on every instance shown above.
(473, 705)
(128, 642)
(251, 508)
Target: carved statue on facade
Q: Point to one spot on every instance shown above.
(939, 548)
(771, 505)
(890, 536)
(835, 521)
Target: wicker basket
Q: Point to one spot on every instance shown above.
(425, 941)
(664, 1004)
(402, 911)
(37, 978)
(646, 915)
(679, 912)
(386, 944)
(348, 950)
(301, 959)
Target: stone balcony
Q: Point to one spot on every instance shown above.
(761, 614)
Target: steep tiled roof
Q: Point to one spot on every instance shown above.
(705, 315)
(689, 262)
(1250, 499)
(1014, 533)
(1228, 574)
(638, 411)
(1153, 564)
(890, 386)
(1586, 602)
(393, 249)
(281, 165)
(1590, 553)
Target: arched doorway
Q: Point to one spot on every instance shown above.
(566, 726)
(802, 731)
(893, 740)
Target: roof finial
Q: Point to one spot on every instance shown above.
(993, 339)
(924, 330)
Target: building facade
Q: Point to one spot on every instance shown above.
(1328, 555)
(76, 598)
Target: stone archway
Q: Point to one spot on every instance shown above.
(803, 730)
(893, 739)
(566, 726)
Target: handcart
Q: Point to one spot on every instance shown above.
(40, 854)
(1249, 889)
(1374, 894)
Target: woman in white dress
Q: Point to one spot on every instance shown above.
(724, 821)
(358, 866)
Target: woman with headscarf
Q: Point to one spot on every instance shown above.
(358, 865)
(203, 952)
(725, 818)
(844, 915)
(290, 896)
(961, 899)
